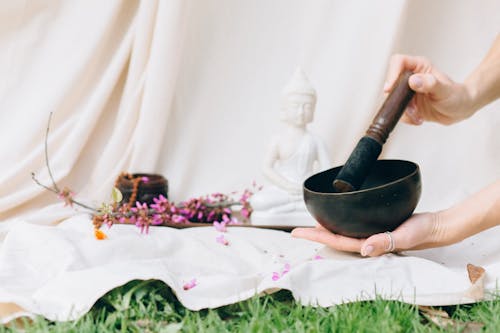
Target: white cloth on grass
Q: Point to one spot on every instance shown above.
(60, 272)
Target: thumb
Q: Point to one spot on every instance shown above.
(377, 245)
(428, 84)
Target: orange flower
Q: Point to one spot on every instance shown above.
(99, 235)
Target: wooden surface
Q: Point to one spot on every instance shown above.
(194, 224)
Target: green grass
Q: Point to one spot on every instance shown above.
(150, 306)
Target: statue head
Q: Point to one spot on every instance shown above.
(298, 100)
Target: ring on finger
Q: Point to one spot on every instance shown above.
(392, 244)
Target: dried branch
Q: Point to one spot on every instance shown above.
(66, 193)
(42, 185)
(47, 155)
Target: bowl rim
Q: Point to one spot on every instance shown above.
(416, 171)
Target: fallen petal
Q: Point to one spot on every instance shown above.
(99, 235)
(189, 285)
(222, 240)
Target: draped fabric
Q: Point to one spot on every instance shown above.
(190, 90)
(107, 71)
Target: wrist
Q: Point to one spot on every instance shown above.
(483, 84)
(471, 102)
(437, 232)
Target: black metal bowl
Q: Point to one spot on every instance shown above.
(386, 199)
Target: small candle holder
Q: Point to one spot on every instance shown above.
(142, 187)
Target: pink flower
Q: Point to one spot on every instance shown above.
(138, 207)
(157, 219)
(178, 219)
(66, 195)
(145, 179)
(141, 218)
(245, 212)
(220, 226)
(189, 285)
(161, 204)
(108, 220)
(222, 240)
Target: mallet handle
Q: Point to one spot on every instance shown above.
(366, 152)
(391, 111)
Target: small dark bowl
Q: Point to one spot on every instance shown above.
(386, 199)
(145, 185)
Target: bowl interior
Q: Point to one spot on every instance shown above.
(383, 173)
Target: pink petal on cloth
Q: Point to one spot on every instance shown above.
(286, 269)
(222, 240)
(276, 276)
(189, 285)
(318, 257)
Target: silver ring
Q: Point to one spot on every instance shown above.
(392, 245)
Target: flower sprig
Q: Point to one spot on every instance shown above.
(216, 208)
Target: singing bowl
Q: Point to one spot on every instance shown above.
(386, 199)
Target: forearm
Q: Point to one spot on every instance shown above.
(483, 84)
(477, 213)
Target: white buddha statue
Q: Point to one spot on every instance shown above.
(293, 155)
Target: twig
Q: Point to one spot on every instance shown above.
(59, 192)
(44, 186)
(55, 188)
(47, 156)
(84, 205)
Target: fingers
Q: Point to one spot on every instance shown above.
(332, 240)
(412, 234)
(428, 84)
(400, 62)
(411, 115)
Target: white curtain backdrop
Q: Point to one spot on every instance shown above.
(190, 89)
